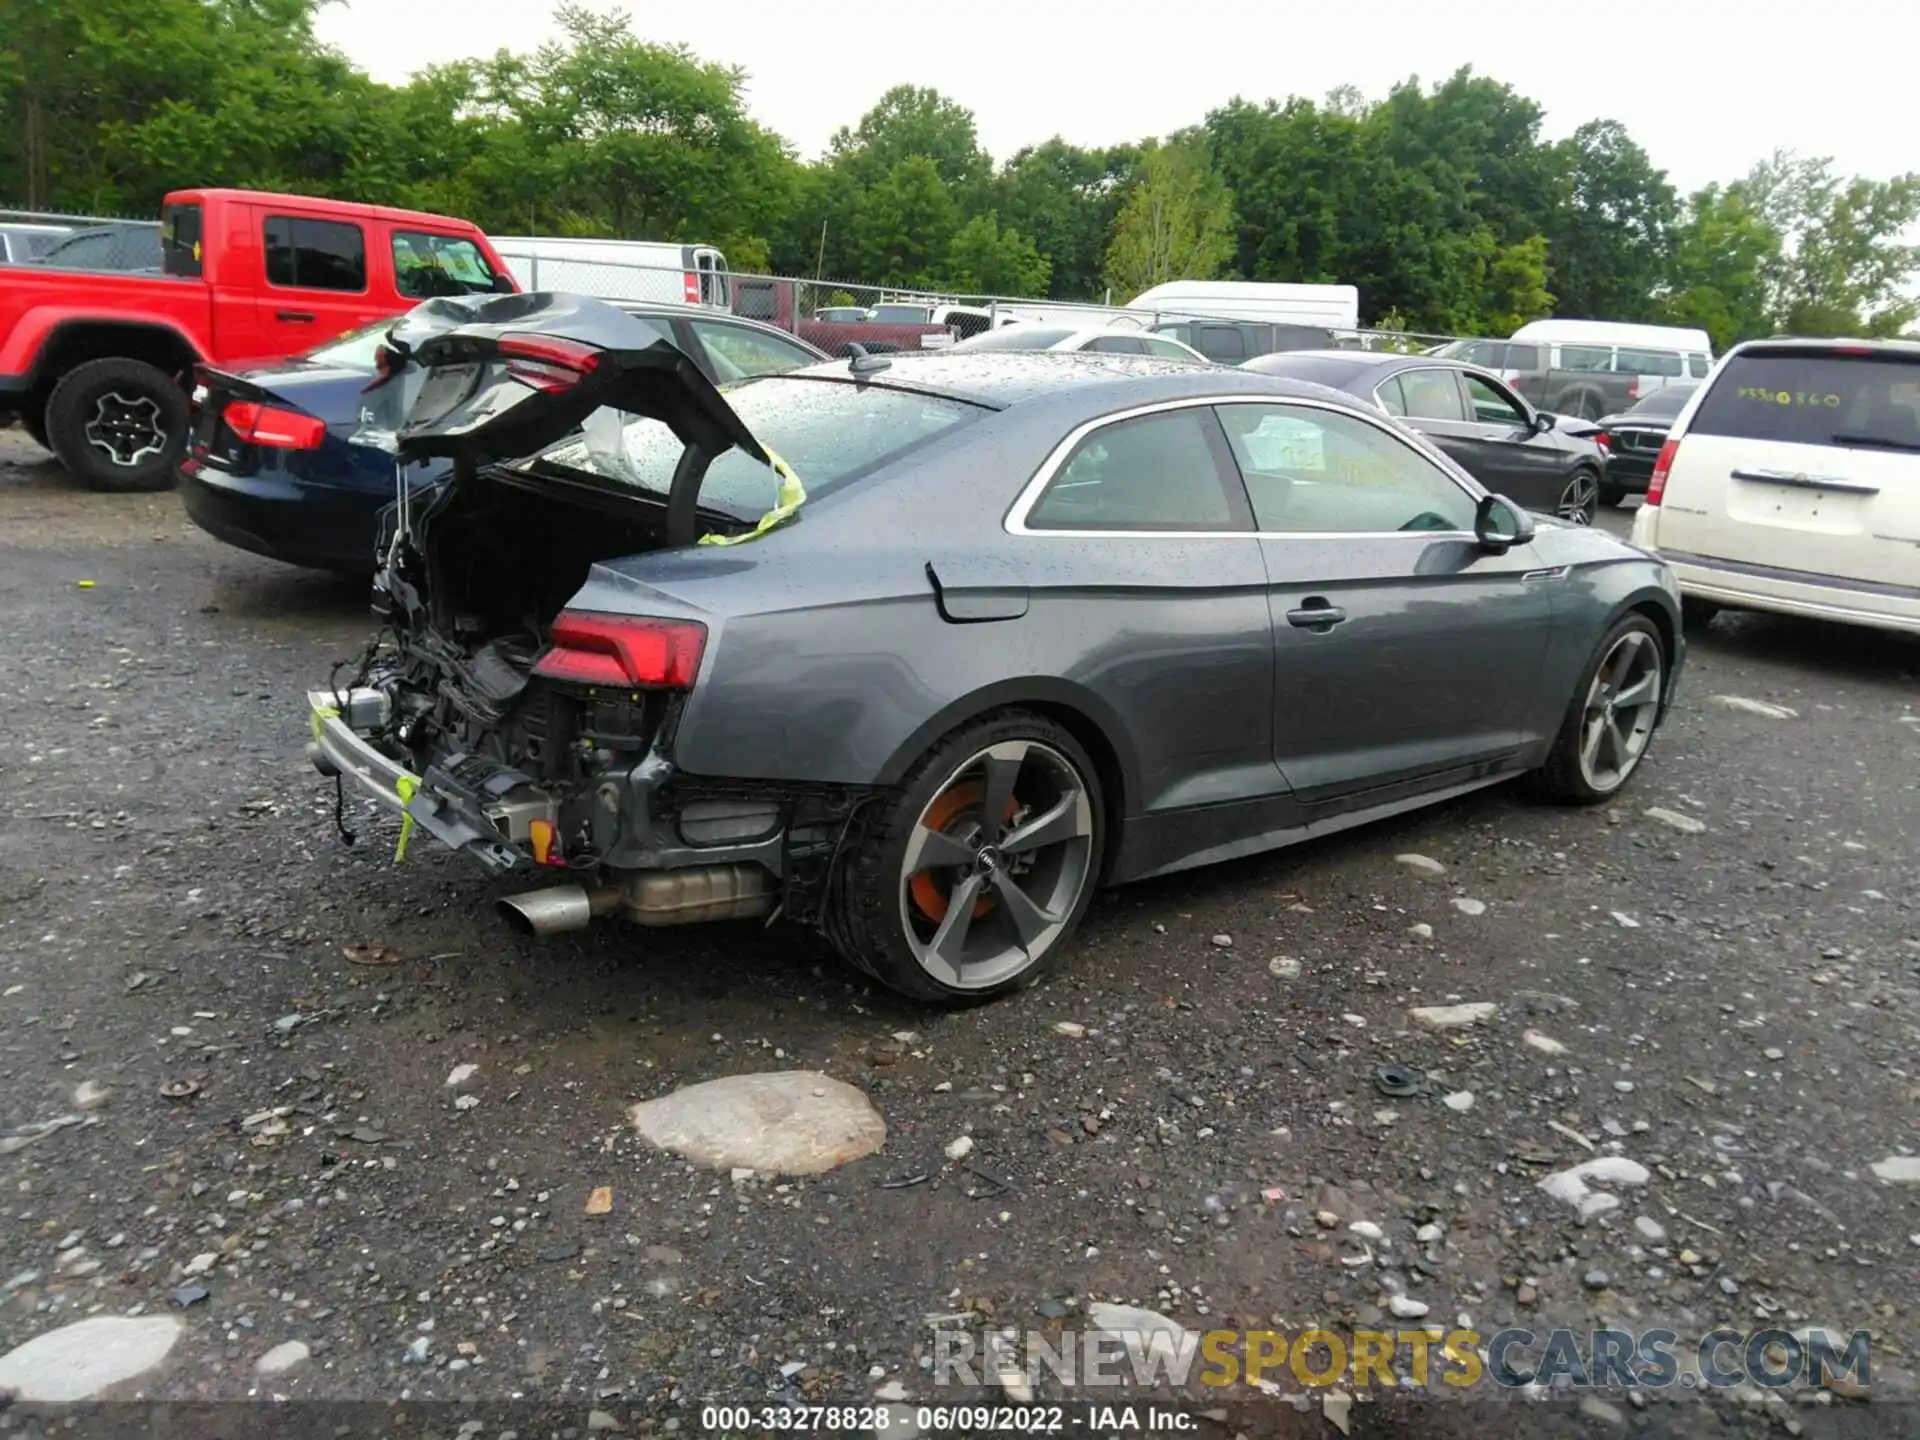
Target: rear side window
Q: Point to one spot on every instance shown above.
(307, 254)
(1156, 472)
(1431, 395)
(1522, 357)
(1221, 342)
(1815, 399)
(1649, 362)
(1697, 366)
(1586, 357)
(180, 240)
(1116, 345)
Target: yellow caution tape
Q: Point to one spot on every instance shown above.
(786, 501)
(317, 721)
(406, 787)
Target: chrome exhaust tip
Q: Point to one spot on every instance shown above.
(556, 910)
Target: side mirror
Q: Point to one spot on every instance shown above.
(1543, 421)
(1499, 524)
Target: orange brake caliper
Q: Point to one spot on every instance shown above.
(929, 894)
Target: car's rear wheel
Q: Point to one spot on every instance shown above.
(978, 868)
(1612, 718)
(118, 425)
(1580, 498)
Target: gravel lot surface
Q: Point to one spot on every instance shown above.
(262, 1143)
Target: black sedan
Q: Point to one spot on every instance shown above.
(286, 459)
(1634, 437)
(1548, 463)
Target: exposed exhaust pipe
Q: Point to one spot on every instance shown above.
(558, 909)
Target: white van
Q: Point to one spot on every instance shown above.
(659, 272)
(1791, 483)
(1689, 353)
(1329, 307)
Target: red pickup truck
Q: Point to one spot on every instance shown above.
(93, 364)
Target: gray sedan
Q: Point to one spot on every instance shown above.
(1038, 623)
(1550, 463)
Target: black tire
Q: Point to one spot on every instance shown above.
(1564, 777)
(118, 408)
(1697, 614)
(873, 917)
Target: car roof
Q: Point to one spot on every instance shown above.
(1787, 344)
(1078, 383)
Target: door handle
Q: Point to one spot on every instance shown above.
(293, 317)
(1316, 614)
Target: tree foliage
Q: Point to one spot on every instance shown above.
(1444, 203)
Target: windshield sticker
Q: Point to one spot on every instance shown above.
(1769, 396)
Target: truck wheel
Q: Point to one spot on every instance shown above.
(118, 425)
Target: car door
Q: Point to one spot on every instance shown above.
(316, 281)
(1501, 448)
(1136, 547)
(1407, 656)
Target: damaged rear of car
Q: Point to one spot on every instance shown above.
(504, 714)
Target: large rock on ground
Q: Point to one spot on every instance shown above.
(79, 1361)
(790, 1122)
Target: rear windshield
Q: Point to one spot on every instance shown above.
(902, 314)
(355, 349)
(1015, 337)
(1816, 399)
(830, 432)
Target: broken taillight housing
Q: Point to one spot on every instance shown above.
(624, 651)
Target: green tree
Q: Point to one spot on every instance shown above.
(987, 260)
(1722, 251)
(1843, 266)
(1608, 230)
(903, 226)
(1066, 198)
(1176, 222)
(913, 120)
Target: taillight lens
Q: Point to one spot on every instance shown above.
(1661, 466)
(623, 651)
(546, 363)
(692, 282)
(1633, 387)
(1603, 440)
(273, 427)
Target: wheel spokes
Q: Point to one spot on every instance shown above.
(1002, 765)
(950, 940)
(1071, 818)
(928, 848)
(1030, 922)
(1641, 692)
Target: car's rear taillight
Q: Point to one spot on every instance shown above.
(1661, 466)
(547, 363)
(692, 282)
(1603, 440)
(273, 427)
(1633, 387)
(623, 651)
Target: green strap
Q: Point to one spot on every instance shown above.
(787, 501)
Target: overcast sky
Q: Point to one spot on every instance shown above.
(1707, 86)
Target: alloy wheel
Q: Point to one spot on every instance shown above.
(1580, 499)
(996, 864)
(1622, 705)
(125, 430)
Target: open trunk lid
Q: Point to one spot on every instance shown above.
(502, 377)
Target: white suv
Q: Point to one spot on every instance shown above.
(1791, 482)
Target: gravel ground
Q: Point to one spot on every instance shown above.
(1184, 1118)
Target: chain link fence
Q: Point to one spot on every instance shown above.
(79, 242)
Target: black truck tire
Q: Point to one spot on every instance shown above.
(118, 425)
